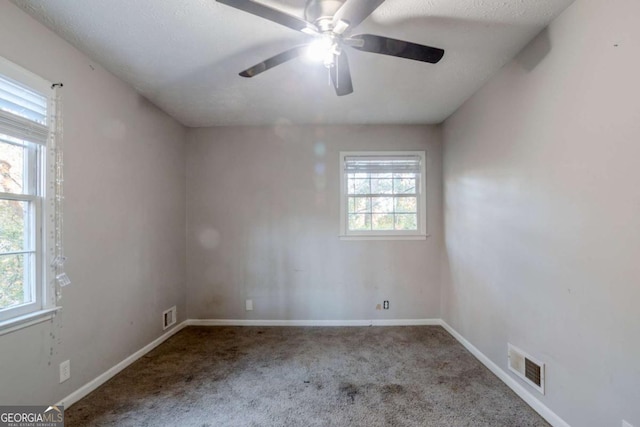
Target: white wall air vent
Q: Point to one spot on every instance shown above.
(169, 317)
(526, 367)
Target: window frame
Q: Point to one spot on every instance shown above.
(419, 234)
(37, 179)
(34, 229)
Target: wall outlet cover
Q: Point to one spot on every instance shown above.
(249, 304)
(65, 371)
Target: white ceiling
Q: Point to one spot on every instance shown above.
(185, 56)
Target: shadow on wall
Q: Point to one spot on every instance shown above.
(535, 52)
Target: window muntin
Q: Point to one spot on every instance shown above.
(382, 201)
(23, 136)
(382, 194)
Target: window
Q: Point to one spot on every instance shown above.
(24, 130)
(382, 195)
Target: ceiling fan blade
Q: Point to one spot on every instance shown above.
(355, 11)
(399, 48)
(271, 14)
(274, 61)
(341, 76)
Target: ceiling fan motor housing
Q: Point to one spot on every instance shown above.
(321, 12)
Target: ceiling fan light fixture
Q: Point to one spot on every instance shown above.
(341, 26)
(321, 49)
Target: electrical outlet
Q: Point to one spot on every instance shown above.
(248, 305)
(626, 424)
(385, 305)
(65, 371)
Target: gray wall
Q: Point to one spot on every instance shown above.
(124, 222)
(542, 212)
(263, 223)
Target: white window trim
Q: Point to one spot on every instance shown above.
(29, 319)
(45, 307)
(25, 77)
(420, 234)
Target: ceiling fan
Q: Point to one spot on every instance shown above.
(330, 24)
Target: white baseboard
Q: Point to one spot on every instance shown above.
(546, 413)
(106, 376)
(372, 322)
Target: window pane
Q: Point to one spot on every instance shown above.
(14, 280)
(359, 222)
(404, 185)
(381, 185)
(382, 221)
(381, 175)
(11, 168)
(406, 204)
(382, 204)
(14, 224)
(359, 204)
(406, 222)
(358, 186)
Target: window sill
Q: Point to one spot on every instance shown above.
(17, 323)
(381, 237)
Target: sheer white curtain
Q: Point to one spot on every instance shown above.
(56, 162)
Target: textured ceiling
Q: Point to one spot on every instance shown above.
(185, 56)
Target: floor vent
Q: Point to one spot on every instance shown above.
(527, 368)
(169, 317)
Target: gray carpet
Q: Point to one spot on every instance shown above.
(272, 376)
